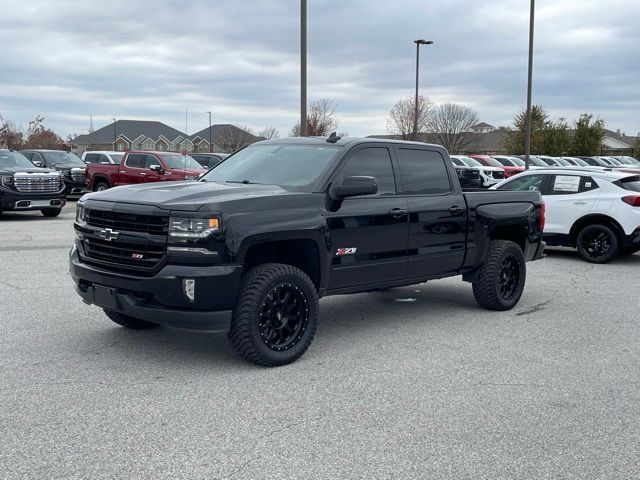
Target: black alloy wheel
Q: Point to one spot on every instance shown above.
(284, 317)
(597, 244)
(509, 277)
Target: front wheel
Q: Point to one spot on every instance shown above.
(51, 212)
(276, 315)
(501, 277)
(101, 186)
(597, 243)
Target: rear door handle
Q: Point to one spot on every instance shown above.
(579, 203)
(456, 210)
(397, 212)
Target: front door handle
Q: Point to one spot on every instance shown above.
(456, 210)
(397, 212)
(579, 203)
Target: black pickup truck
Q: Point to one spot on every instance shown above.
(23, 186)
(250, 247)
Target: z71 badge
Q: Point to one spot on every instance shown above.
(346, 251)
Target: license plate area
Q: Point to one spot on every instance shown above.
(105, 297)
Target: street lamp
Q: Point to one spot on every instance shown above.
(115, 133)
(527, 135)
(303, 68)
(210, 145)
(415, 118)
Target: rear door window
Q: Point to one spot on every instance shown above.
(424, 172)
(570, 184)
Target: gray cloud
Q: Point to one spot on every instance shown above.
(68, 60)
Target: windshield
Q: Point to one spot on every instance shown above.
(177, 161)
(269, 164)
(14, 159)
(517, 161)
(537, 162)
(457, 162)
(63, 159)
(494, 163)
(471, 162)
(548, 161)
(562, 161)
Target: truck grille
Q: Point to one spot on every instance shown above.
(145, 255)
(471, 174)
(497, 174)
(37, 182)
(132, 222)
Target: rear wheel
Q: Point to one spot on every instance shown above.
(51, 212)
(100, 186)
(129, 322)
(276, 315)
(501, 278)
(597, 243)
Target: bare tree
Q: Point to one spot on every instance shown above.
(11, 136)
(234, 137)
(321, 119)
(451, 126)
(269, 133)
(402, 115)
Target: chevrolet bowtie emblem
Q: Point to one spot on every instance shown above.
(108, 234)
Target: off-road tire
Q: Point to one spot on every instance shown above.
(487, 286)
(97, 186)
(129, 322)
(255, 286)
(614, 248)
(51, 212)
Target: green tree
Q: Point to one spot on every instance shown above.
(514, 140)
(556, 140)
(588, 135)
(636, 148)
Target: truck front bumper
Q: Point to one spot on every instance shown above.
(162, 298)
(10, 200)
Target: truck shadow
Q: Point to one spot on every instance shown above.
(361, 316)
(571, 254)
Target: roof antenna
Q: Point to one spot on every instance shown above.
(333, 138)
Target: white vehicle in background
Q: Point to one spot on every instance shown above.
(489, 175)
(597, 212)
(104, 157)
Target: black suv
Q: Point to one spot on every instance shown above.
(251, 247)
(26, 187)
(69, 164)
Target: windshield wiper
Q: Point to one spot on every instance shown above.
(246, 182)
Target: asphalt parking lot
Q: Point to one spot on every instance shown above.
(414, 382)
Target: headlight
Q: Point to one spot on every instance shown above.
(80, 214)
(7, 181)
(187, 227)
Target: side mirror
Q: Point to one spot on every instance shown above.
(156, 168)
(38, 163)
(354, 187)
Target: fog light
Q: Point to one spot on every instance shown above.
(189, 287)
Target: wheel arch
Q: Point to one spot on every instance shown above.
(98, 178)
(594, 219)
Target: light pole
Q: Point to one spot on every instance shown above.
(210, 145)
(527, 135)
(415, 117)
(303, 68)
(115, 134)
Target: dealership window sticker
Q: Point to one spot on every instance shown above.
(566, 184)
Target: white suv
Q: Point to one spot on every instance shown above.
(103, 156)
(489, 175)
(597, 212)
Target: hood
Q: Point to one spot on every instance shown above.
(11, 170)
(491, 169)
(186, 196)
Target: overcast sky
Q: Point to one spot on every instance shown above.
(140, 59)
